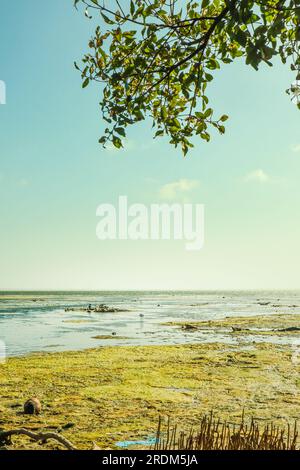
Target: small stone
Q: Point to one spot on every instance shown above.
(68, 425)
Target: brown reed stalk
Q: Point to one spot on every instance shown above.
(211, 434)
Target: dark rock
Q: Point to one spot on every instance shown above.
(68, 425)
(102, 308)
(291, 328)
(32, 407)
(189, 327)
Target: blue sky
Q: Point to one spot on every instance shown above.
(54, 174)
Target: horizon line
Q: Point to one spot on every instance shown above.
(155, 290)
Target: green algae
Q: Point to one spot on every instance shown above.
(113, 394)
(266, 325)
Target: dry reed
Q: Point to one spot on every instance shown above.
(211, 434)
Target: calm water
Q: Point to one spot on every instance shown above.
(37, 321)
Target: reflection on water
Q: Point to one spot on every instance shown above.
(37, 321)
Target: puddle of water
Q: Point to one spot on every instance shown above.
(148, 443)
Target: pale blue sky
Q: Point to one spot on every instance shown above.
(54, 174)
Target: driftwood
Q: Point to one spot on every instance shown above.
(5, 437)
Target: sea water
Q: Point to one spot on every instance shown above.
(37, 321)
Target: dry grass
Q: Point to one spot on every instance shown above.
(211, 434)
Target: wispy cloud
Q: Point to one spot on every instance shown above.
(178, 189)
(296, 148)
(23, 182)
(259, 176)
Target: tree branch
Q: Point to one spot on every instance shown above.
(43, 437)
(201, 47)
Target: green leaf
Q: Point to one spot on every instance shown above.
(121, 131)
(241, 37)
(132, 7)
(154, 65)
(106, 19)
(86, 82)
(164, 112)
(117, 142)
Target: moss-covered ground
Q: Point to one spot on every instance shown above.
(272, 325)
(114, 394)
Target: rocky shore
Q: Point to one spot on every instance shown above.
(101, 308)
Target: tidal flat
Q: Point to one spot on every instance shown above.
(112, 394)
(276, 325)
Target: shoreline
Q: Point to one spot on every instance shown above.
(276, 328)
(64, 322)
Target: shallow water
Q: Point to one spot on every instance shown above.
(37, 321)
